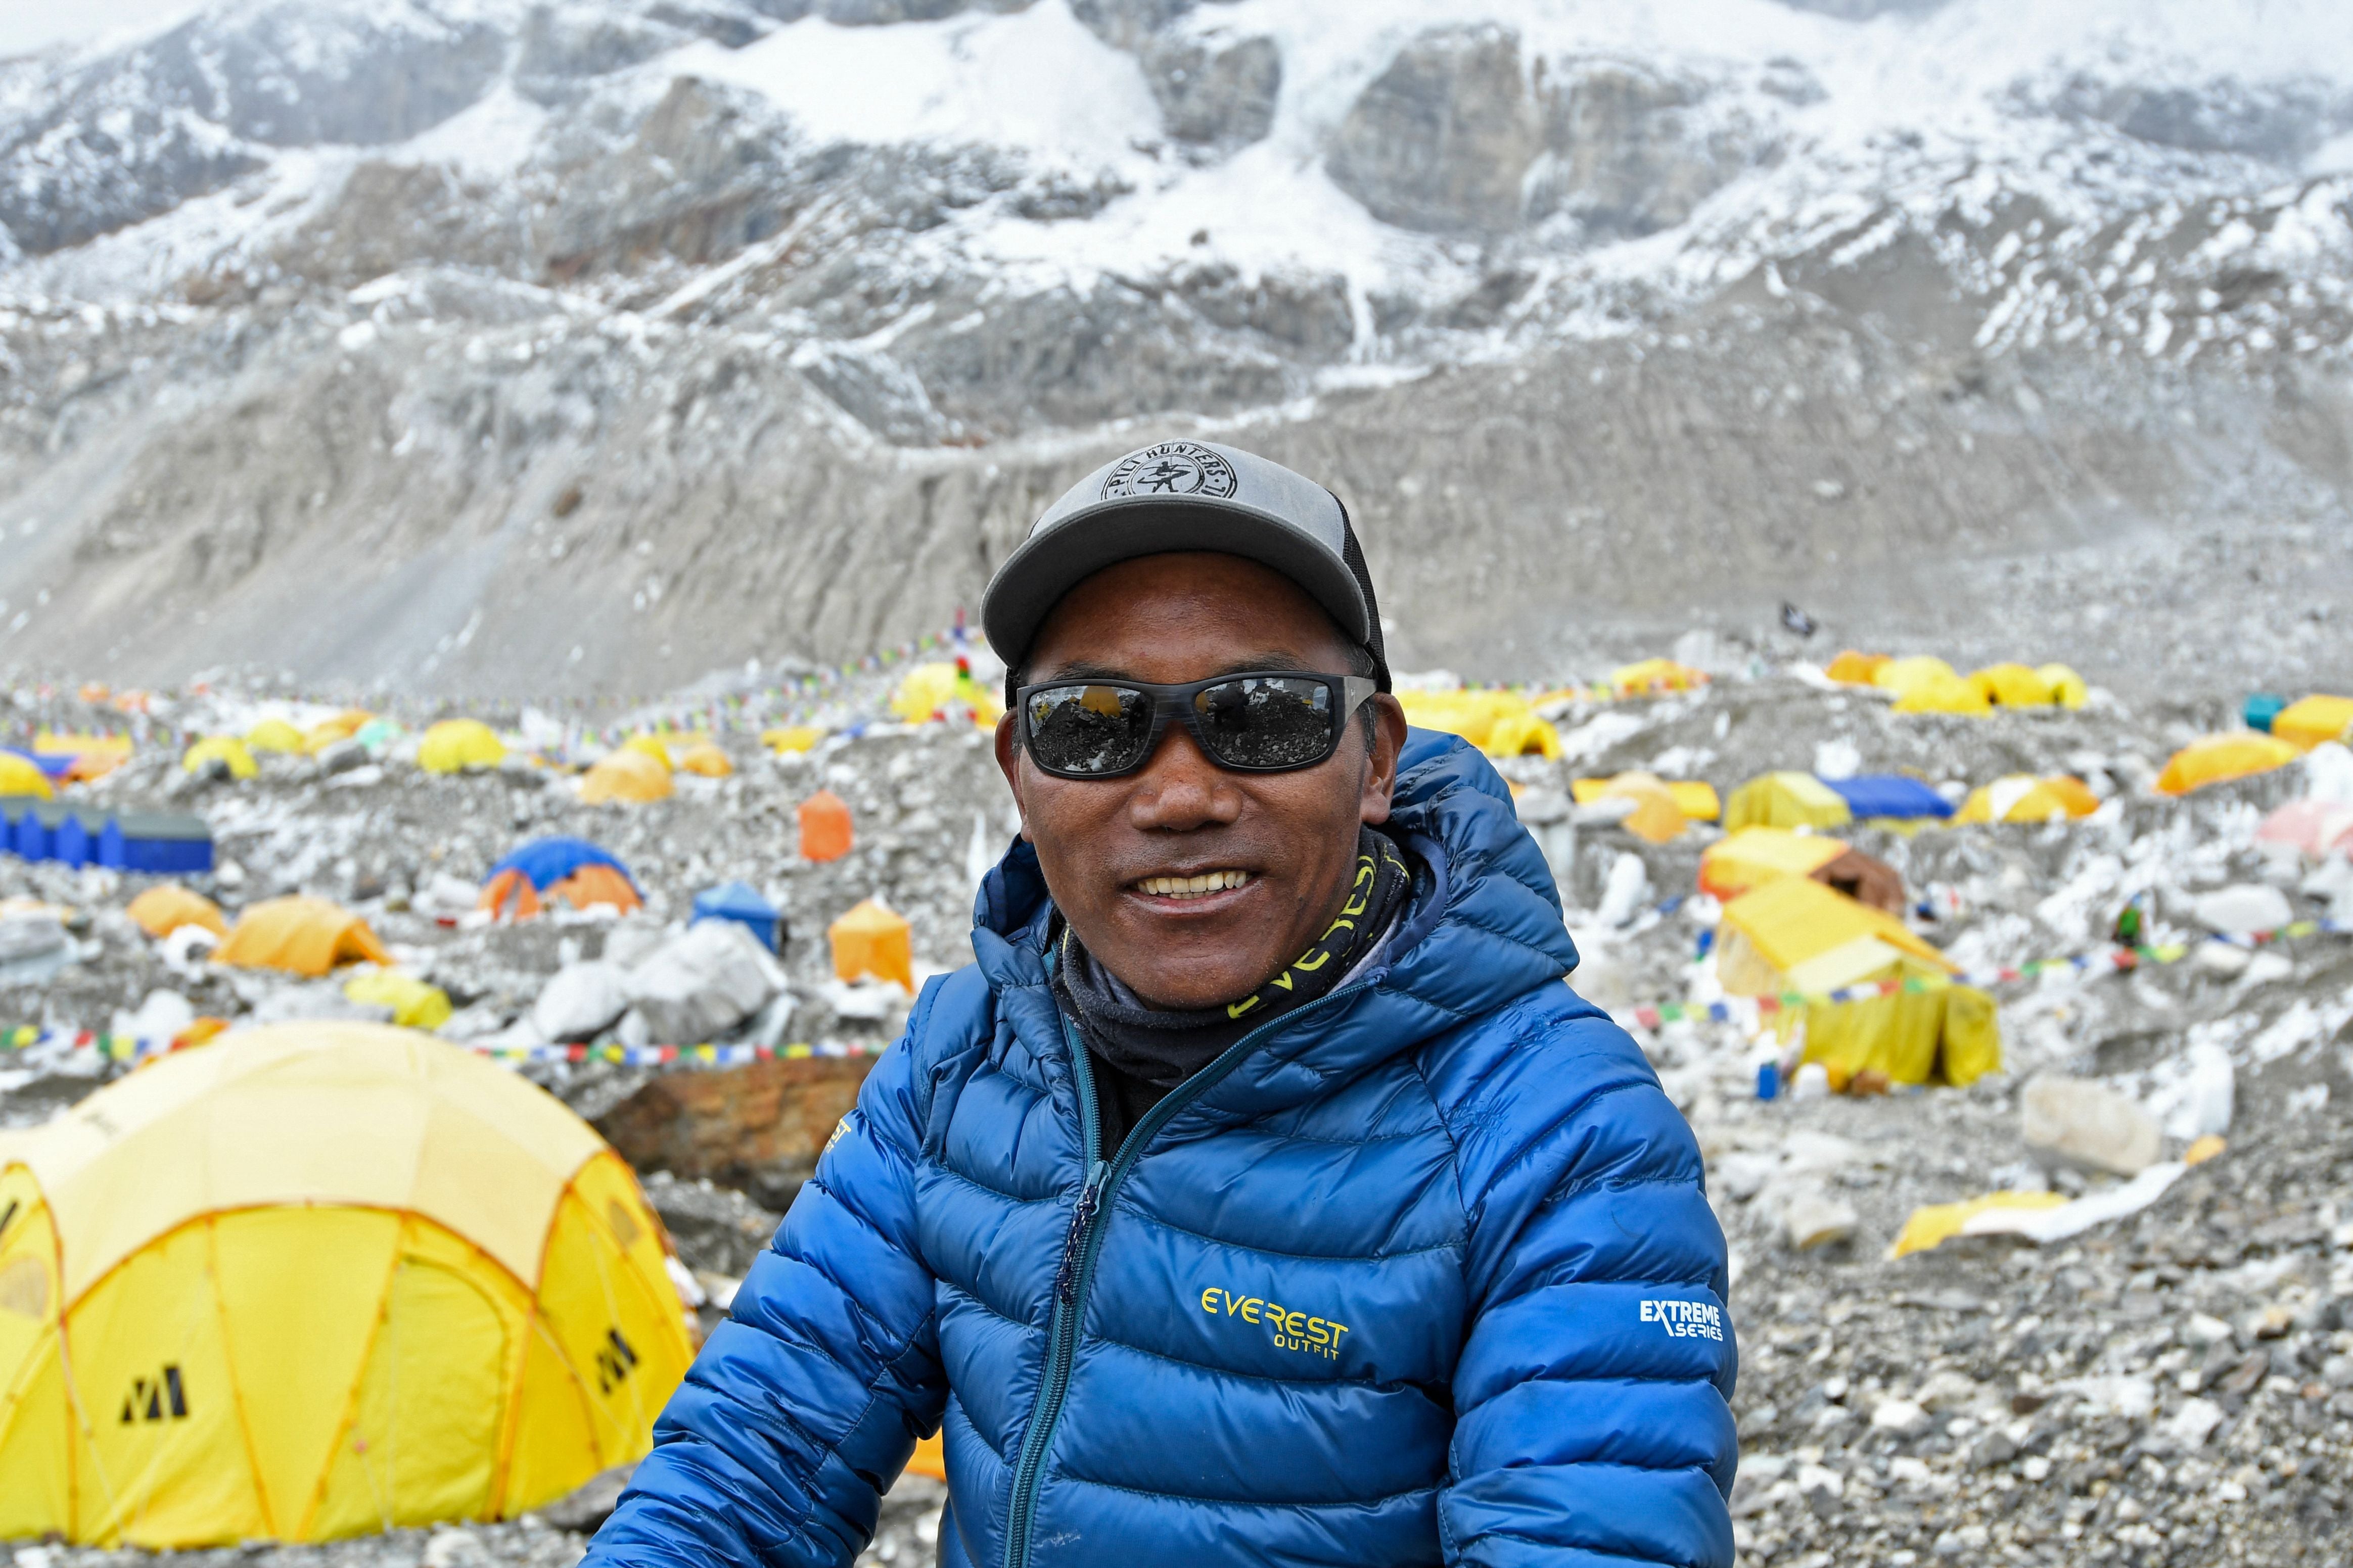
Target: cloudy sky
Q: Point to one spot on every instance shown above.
(27, 24)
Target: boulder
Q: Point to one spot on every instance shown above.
(1214, 92)
(702, 983)
(2242, 908)
(2075, 1121)
(1442, 140)
(759, 1128)
(581, 1000)
(1128, 24)
(1815, 1217)
(1627, 151)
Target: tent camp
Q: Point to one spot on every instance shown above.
(580, 873)
(317, 1280)
(1654, 676)
(2307, 723)
(2022, 797)
(1695, 798)
(2217, 758)
(1795, 935)
(1889, 797)
(455, 745)
(944, 690)
(2011, 686)
(1500, 723)
(705, 760)
(626, 775)
(1785, 800)
(302, 936)
(166, 907)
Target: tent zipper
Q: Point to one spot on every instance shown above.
(1080, 1245)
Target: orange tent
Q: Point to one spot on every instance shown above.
(629, 775)
(303, 936)
(875, 940)
(825, 827)
(1854, 668)
(166, 907)
(510, 894)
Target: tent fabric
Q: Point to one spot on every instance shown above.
(275, 735)
(706, 760)
(227, 748)
(1751, 856)
(2307, 723)
(2217, 758)
(1893, 795)
(415, 1004)
(1695, 798)
(1785, 800)
(2022, 797)
(318, 1279)
(1936, 694)
(549, 861)
(509, 896)
(2011, 686)
(825, 827)
(455, 745)
(943, 691)
(1500, 723)
(792, 738)
(20, 776)
(741, 902)
(872, 939)
(1901, 675)
(1653, 677)
(626, 775)
(166, 907)
(303, 936)
(651, 746)
(1790, 921)
(1657, 815)
(2067, 687)
(1852, 667)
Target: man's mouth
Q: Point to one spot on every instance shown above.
(1195, 886)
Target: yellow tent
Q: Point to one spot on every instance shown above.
(1793, 934)
(341, 727)
(1649, 676)
(455, 745)
(1942, 696)
(1500, 723)
(1853, 668)
(2307, 723)
(2067, 687)
(874, 939)
(166, 907)
(275, 735)
(319, 1279)
(2011, 686)
(651, 746)
(1740, 861)
(303, 936)
(2218, 757)
(1900, 675)
(1657, 815)
(2022, 797)
(1785, 800)
(19, 776)
(626, 775)
(706, 760)
(792, 738)
(226, 749)
(1695, 798)
(414, 1004)
(942, 691)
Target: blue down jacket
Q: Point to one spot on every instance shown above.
(1420, 1273)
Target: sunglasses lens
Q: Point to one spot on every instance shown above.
(1267, 722)
(1090, 729)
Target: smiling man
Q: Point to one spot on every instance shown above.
(1261, 1195)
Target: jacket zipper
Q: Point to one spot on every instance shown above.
(1080, 1245)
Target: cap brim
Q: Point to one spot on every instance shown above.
(1035, 577)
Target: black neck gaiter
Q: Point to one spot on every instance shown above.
(1150, 1050)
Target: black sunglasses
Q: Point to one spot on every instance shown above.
(1260, 721)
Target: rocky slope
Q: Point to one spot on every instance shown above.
(540, 347)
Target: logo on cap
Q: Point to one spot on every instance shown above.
(1172, 468)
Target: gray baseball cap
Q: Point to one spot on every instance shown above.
(1186, 495)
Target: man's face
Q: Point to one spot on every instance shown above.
(1171, 619)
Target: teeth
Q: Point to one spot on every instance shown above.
(1192, 886)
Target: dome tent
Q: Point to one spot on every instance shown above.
(455, 745)
(557, 867)
(300, 935)
(316, 1279)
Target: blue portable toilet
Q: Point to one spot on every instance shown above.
(165, 843)
(74, 840)
(13, 809)
(737, 901)
(32, 835)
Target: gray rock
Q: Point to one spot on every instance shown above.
(702, 983)
(1628, 152)
(591, 1504)
(1215, 92)
(1442, 140)
(2086, 1125)
(1129, 23)
(581, 1000)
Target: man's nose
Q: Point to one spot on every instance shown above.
(1180, 789)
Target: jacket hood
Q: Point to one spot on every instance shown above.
(1482, 927)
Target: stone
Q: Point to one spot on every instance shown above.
(2242, 908)
(1442, 140)
(1813, 1217)
(1215, 92)
(1902, 1416)
(759, 1127)
(702, 983)
(592, 1503)
(581, 1000)
(717, 1230)
(1627, 151)
(2086, 1125)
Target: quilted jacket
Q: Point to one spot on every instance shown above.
(1420, 1273)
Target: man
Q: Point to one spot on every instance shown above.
(1261, 1195)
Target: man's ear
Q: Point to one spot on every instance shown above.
(1009, 763)
(1381, 763)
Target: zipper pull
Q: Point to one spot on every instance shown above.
(1066, 1280)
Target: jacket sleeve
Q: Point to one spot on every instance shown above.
(1592, 1399)
(806, 1403)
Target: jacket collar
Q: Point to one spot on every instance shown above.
(1482, 927)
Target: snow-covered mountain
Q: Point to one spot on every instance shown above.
(594, 342)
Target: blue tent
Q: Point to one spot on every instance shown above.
(545, 862)
(737, 901)
(1889, 794)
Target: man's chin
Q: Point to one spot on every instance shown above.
(1190, 962)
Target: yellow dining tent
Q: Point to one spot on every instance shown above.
(1785, 800)
(317, 1280)
(1500, 723)
(22, 776)
(1740, 861)
(227, 750)
(1792, 935)
(2216, 758)
(2011, 686)
(455, 745)
(626, 775)
(874, 939)
(302, 936)
(2307, 723)
(1695, 798)
(2022, 797)
(275, 735)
